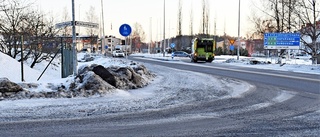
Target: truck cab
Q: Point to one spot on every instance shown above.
(203, 49)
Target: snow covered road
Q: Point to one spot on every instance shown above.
(170, 88)
(176, 103)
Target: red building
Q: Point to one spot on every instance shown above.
(255, 47)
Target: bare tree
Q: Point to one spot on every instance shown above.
(2, 3)
(279, 17)
(67, 30)
(290, 15)
(292, 22)
(308, 12)
(179, 33)
(280, 13)
(204, 29)
(273, 8)
(92, 17)
(191, 21)
(21, 26)
(261, 25)
(207, 18)
(180, 18)
(138, 36)
(11, 12)
(39, 34)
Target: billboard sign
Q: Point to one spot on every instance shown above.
(281, 40)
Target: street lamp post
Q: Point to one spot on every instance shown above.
(164, 27)
(150, 44)
(239, 43)
(103, 37)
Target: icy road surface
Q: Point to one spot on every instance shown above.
(170, 88)
(176, 103)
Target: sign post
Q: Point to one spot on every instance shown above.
(172, 45)
(125, 30)
(74, 23)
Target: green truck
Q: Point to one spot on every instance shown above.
(203, 49)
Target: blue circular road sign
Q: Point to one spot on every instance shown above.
(231, 47)
(172, 45)
(125, 30)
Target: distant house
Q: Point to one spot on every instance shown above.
(111, 42)
(220, 44)
(89, 43)
(83, 43)
(255, 47)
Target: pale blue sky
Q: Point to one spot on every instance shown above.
(117, 12)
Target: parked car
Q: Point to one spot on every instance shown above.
(180, 54)
(302, 56)
(118, 53)
(85, 50)
(86, 58)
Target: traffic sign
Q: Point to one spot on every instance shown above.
(77, 23)
(125, 30)
(231, 41)
(172, 45)
(282, 40)
(63, 24)
(231, 47)
(87, 24)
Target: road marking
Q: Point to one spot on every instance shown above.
(262, 73)
(236, 70)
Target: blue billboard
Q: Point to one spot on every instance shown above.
(281, 40)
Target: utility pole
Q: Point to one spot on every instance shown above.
(215, 32)
(79, 19)
(164, 27)
(21, 49)
(74, 41)
(239, 43)
(150, 30)
(103, 37)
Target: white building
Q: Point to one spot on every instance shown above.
(111, 41)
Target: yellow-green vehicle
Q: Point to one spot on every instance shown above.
(203, 49)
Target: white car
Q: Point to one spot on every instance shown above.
(86, 58)
(118, 53)
(303, 56)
